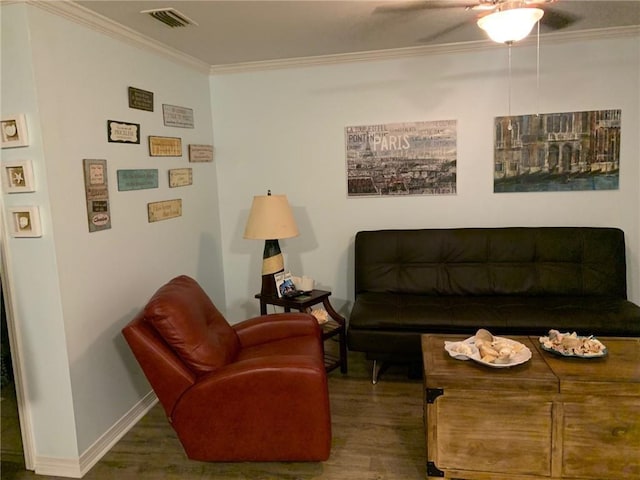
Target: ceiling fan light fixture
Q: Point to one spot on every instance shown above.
(506, 26)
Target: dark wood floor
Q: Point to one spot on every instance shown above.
(377, 435)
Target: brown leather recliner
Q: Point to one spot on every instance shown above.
(253, 391)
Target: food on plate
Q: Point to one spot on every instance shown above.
(495, 349)
(462, 348)
(483, 347)
(489, 358)
(486, 352)
(483, 335)
(572, 344)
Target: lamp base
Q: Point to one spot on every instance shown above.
(272, 263)
(269, 288)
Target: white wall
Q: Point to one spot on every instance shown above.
(82, 376)
(33, 269)
(284, 130)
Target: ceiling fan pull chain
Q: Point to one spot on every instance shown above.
(509, 127)
(538, 73)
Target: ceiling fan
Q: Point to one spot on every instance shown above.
(493, 16)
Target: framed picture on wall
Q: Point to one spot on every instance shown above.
(140, 99)
(200, 153)
(399, 159)
(24, 222)
(13, 130)
(18, 176)
(557, 152)
(165, 146)
(175, 116)
(123, 132)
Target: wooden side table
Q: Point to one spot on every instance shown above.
(336, 326)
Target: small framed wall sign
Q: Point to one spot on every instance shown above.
(25, 222)
(140, 99)
(137, 179)
(164, 210)
(175, 116)
(180, 177)
(18, 176)
(97, 194)
(123, 132)
(13, 129)
(201, 153)
(165, 146)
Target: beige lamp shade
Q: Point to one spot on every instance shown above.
(270, 218)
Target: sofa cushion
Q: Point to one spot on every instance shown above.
(499, 313)
(537, 261)
(183, 314)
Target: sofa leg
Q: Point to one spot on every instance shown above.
(376, 372)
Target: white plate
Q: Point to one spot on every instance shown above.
(524, 355)
(564, 353)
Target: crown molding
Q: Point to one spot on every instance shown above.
(81, 15)
(444, 49)
(368, 56)
(96, 22)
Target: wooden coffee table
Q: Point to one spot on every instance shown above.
(551, 417)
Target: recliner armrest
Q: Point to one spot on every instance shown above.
(281, 365)
(276, 326)
(259, 400)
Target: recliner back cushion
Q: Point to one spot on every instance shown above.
(192, 326)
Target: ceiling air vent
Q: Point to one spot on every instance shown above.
(170, 17)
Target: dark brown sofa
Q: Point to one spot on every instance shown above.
(514, 280)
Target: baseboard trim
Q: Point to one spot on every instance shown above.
(77, 468)
(57, 467)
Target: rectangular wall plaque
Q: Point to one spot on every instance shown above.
(201, 153)
(140, 99)
(97, 193)
(175, 116)
(123, 132)
(137, 179)
(165, 146)
(164, 210)
(180, 177)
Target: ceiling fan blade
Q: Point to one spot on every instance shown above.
(555, 19)
(412, 6)
(443, 32)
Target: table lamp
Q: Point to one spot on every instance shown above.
(270, 219)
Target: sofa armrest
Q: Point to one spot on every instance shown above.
(276, 326)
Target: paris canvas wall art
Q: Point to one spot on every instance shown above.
(399, 159)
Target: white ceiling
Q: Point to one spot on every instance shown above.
(239, 31)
